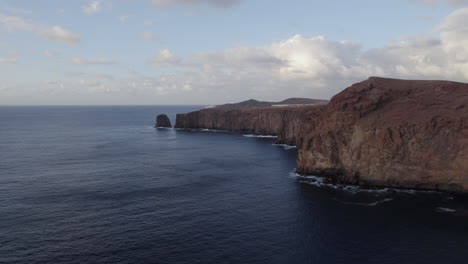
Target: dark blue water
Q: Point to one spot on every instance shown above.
(101, 185)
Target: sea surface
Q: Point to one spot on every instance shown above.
(101, 185)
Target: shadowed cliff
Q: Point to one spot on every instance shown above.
(380, 132)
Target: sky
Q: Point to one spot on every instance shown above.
(147, 52)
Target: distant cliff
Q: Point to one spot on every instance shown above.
(288, 102)
(285, 122)
(380, 132)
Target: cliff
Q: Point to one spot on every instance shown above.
(388, 132)
(288, 102)
(285, 122)
(380, 132)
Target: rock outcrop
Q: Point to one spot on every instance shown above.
(380, 132)
(163, 121)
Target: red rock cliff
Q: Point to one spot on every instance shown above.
(380, 132)
(388, 132)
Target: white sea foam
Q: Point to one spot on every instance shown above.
(204, 130)
(373, 203)
(260, 136)
(445, 210)
(285, 146)
(321, 182)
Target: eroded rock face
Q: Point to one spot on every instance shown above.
(387, 132)
(285, 122)
(163, 121)
(380, 132)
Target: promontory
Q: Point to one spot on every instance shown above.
(380, 132)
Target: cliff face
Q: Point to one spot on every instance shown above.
(387, 132)
(380, 132)
(285, 122)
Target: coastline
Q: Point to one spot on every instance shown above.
(384, 133)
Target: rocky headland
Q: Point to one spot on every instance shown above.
(378, 133)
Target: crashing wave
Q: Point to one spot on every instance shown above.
(445, 210)
(285, 146)
(322, 182)
(259, 136)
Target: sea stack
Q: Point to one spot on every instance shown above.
(163, 121)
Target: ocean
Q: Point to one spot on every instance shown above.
(102, 185)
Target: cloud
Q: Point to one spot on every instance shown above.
(165, 57)
(315, 66)
(90, 83)
(81, 61)
(123, 18)
(50, 53)
(14, 23)
(213, 3)
(92, 8)
(454, 3)
(14, 10)
(53, 33)
(148, 36)
(7, 87)
(8, 60)
(57, 33)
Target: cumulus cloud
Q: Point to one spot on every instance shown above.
(316, 66)
(213, 3)
(164, 57)
(53, 33)
(82, 61)
(92, 7)
(57, 33)
(148, 36)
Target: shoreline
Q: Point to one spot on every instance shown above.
(380, 132)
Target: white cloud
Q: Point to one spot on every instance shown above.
(50, 53)
(90, 83)
(57, 33)
(81, 61)
(92, 8)
(8, 60)
(165, 57)
(53, 33)
(455, 3)
(7, 87)
(213, 3)
(14, 23)
(316, 66)
(148, 36)
(123, 18)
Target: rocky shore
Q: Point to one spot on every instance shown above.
(380, 133)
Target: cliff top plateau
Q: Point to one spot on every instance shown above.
(287, 102)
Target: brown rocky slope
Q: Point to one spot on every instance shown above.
(380, 132)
